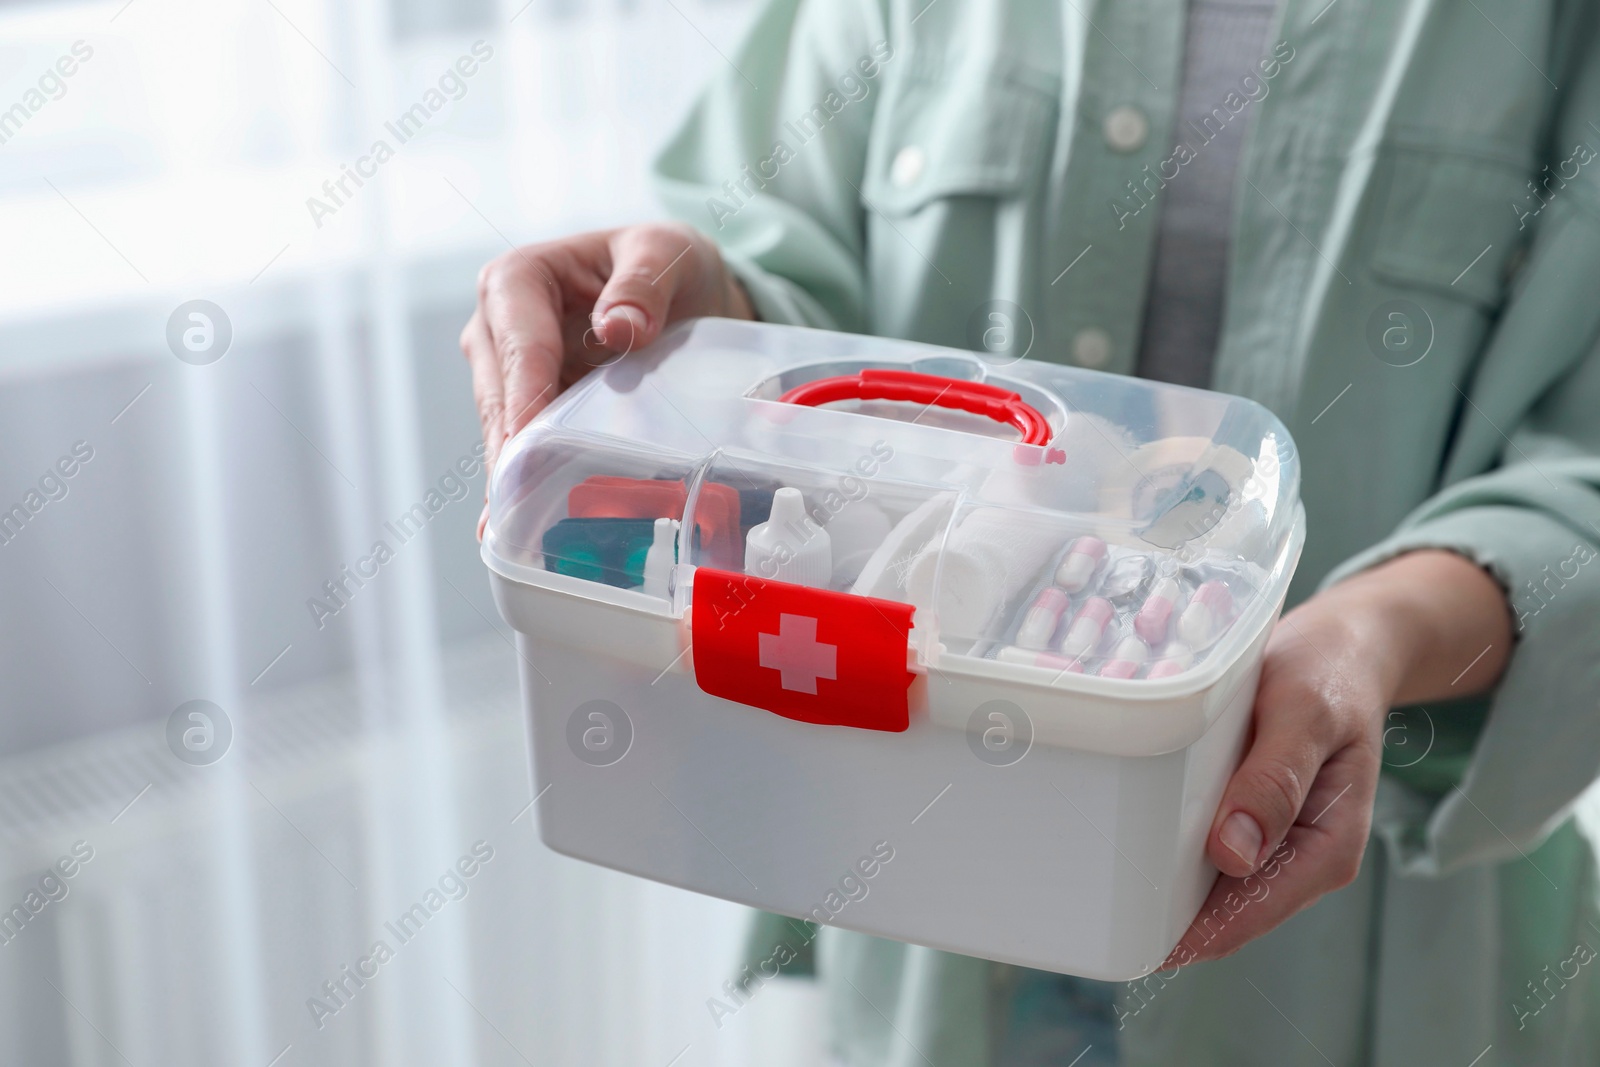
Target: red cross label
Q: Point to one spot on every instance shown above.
(796, 654)
(809, 654)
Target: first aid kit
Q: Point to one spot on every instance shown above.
(901, 639)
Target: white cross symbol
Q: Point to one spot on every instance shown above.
(796, 654)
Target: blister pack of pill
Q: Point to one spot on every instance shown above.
(1119, 611)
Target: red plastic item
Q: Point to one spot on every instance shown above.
(979, 398)
(814, 655)
(605, 496)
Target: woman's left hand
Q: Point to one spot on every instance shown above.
(1293, 821)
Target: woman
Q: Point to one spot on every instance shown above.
(1376, 217)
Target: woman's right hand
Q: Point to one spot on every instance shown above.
(550, 313)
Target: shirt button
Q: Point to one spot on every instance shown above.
(1092, 348)
(907, 166)
(1126, 128)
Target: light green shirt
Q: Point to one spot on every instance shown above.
(1422, 318)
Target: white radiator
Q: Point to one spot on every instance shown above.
(217, 904)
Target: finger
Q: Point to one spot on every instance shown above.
(521, 307)
(1294, 733)
(1321, 853)
(649, 266)
(488, 391)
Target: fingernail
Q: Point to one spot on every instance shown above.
(1242, 836)
(622, 324)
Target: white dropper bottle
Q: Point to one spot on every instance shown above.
(789, 546)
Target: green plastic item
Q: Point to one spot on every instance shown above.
(611, 551)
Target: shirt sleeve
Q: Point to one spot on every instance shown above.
(1531, 518)
(770, 160)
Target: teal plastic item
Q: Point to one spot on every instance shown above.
(611, 551)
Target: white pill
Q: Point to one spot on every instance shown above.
(1083, 636)
(1078, 567)
(1155, 617)
(1039, 624)
(1177, 659)
(1126, 658)
(1208, 614)
(1031, 658)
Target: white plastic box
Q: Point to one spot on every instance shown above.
(759, 737)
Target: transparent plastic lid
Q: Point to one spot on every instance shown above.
(1055, 518)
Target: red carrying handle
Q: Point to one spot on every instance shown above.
(999, 404)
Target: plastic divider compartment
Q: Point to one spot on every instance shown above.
(1084, 596)
(990, 564)
(1190, 470)
(584, 506)
(868, 523)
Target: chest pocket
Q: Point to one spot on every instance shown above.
(942, 139)
(1449, 222)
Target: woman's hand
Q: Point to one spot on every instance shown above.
(1293, 823)
(550, 313)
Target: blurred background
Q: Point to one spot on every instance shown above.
(215, 392)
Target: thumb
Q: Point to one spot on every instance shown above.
(1268, 790)
(648, 267)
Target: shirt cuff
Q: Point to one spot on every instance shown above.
(1539, 745)
(1519, 547)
